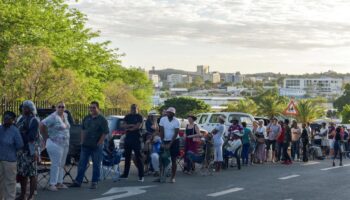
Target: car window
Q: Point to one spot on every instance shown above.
(214, 118)
(111, 124)
(203, 119)
(232, 117)
(120, 124)
(246, 119)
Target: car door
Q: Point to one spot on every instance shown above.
(203, 121)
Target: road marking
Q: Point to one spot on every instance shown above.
(216, 194)
(311, 163)
(122, 192)
(288, 177)
(336, 167)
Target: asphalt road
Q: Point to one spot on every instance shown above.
(315, 181)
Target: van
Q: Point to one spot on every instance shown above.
(208, 121)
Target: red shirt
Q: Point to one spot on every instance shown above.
(280, 139)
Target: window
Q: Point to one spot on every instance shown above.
(232, 117)
(203, 119)
(246, 119)
(214, 118)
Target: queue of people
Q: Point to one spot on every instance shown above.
(156, 151)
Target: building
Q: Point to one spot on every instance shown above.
(313, 87)
(155, 80)
(215, 77)
(236, 78)
(346, 80)
(174, 79)
(290, 92)
(202, 70)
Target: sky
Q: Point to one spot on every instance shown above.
(250, 36)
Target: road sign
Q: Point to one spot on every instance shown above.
(291, 109)
(122, 192)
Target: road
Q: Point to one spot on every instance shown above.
(316, 180)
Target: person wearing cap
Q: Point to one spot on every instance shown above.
(28, 126)
(10, 142)
(191, 145)
(132, 142)
(169, 132)
(218, 133)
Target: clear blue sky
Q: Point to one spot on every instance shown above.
(288, 36)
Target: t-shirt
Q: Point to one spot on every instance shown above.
(262, 131)
(10, 142)
(94, 128)
(169, 127)
(218, 140)
(246, 134)
(274, 131)
(58, 129)
(296, 133)
(132, 119)
(280, 139)
(331, 129)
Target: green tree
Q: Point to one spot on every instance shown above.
(269, 103)
(344, 99)
(309, 110)
(346, 114)
(185, 106)
(246, 106)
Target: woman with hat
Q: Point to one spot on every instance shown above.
(28, 126)
(191, 145)
(218, 133)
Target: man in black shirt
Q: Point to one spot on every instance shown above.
(133, 122)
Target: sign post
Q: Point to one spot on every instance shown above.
(291, 109)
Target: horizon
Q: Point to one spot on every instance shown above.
(292, 37)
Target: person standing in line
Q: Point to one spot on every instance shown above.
(324, 142)
(337, 146)
(280, 140)
(246, 137)
(260, 154)
(94, 130)
(274, 130)
(305, 142)
(27, 157)
(296, 133)
(253, 142)
(10, 142)
(191, 145)
(169, 133)
(331, 133)
(286, 141)
(55, 129)
(133, 122)
(218, 134)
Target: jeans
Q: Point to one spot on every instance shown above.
(96, 156)
(295, 149)
(58, 155)
(305, 152)
(8, 171)
(155, 161)
(245, 153)
(130, 145)
(279, 151)
(337, 151)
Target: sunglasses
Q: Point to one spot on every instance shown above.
(61, 107)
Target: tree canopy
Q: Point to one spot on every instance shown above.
(344, 99)
(50, 36)
(185, 106)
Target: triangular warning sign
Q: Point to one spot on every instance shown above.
(291, 109)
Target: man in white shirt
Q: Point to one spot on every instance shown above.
(169, 132)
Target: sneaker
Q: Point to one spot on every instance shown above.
(75, 185)
(172, 180)
(61, 186)
(93, 186)
(52, 188)
(141, 179)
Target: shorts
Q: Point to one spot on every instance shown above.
(270, 143)
(174, 148)
(318, 142)
(331, 143)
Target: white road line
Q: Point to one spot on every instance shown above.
(311, 163)
(336, 167)
(288, 177)
(216, 194)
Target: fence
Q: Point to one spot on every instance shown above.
(78, 111)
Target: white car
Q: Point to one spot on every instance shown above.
(208, 121)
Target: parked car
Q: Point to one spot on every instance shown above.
(208, 121)
(266, 120)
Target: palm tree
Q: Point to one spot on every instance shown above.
(243, 105)
(270, 106)
(309, 110)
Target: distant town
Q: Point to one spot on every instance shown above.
(220, 89)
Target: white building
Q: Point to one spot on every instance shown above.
(315, 86)
(234, 77)
(174, 79)
(290, 92)
(155, 80)
(215, 77)
(202, 70)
